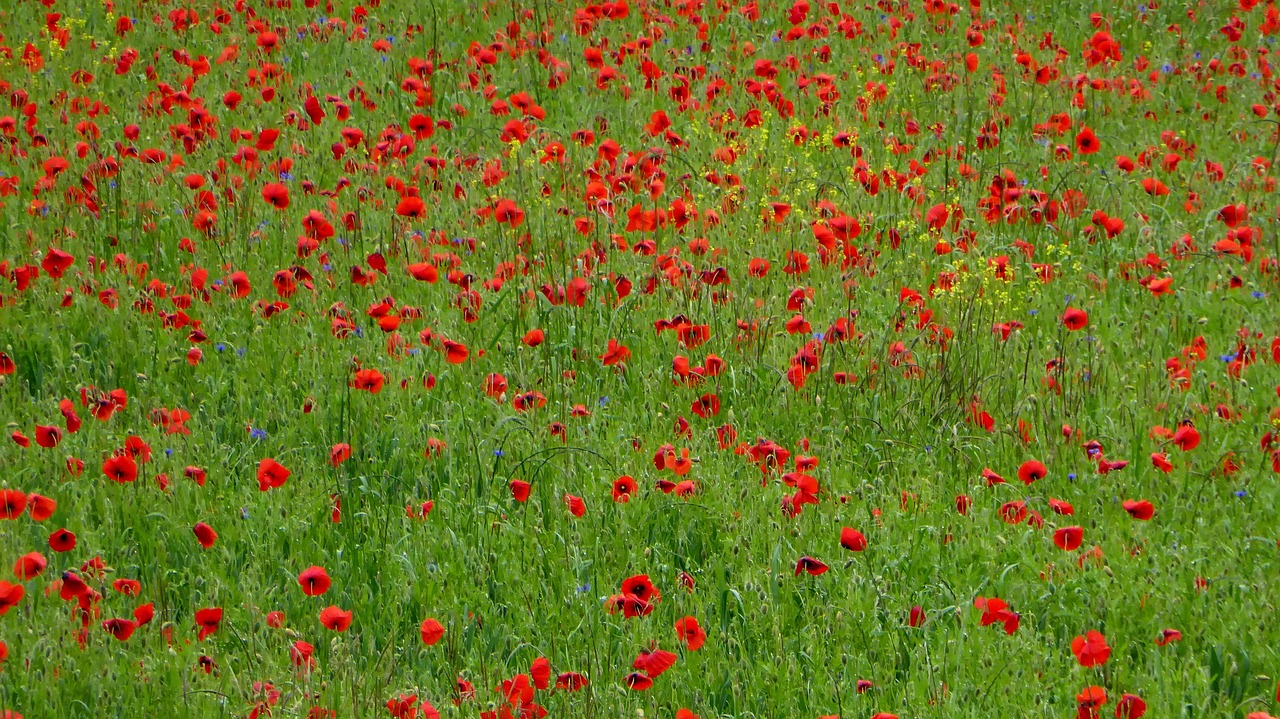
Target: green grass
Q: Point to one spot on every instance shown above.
(512, 582)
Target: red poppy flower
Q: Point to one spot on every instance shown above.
(196, 474)
(571, 682)
(533, 338)
(434, 447)
(1154, 187)
(300, 654)
(1161, 462)
(1186, 437)
(852, 540)
(1168, 636)
(127, 587)
(1089, 702)
(1030, 471)
(10, 595)
(271, 474)
(30, 566)
(137, 448)
(56, 262)
(1068, 538)
(575, 504)
(72, 586)
(1139, 509)
(1013, 512)
(690, 634)
(1130, 706)
(412, 207)
(267, 40)
(12, 503)
(708, 405)
(205, 535)
(1091, 650)
(654, 663)
(431, 631)
(623, 488)
(527, 401)
(1087, 142)
(314, 581)
(637, 681)
(1075, 319)
(48, 437)
(68, 410)
(997, 610)
(455, 352)
(121, 629)
(1060, 507)
(339, 453)
(120, 468)
(519, 490)
(916, 617)
(369, 380)
(208, 621)
(630, 605)
(239, 282)
(335, 619)
(62, 541)
(424, 272)
(640, 586)
(276, 195)
(540, 672)
(615, 354)
(813, 566)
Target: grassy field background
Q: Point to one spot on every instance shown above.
(972, 281)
